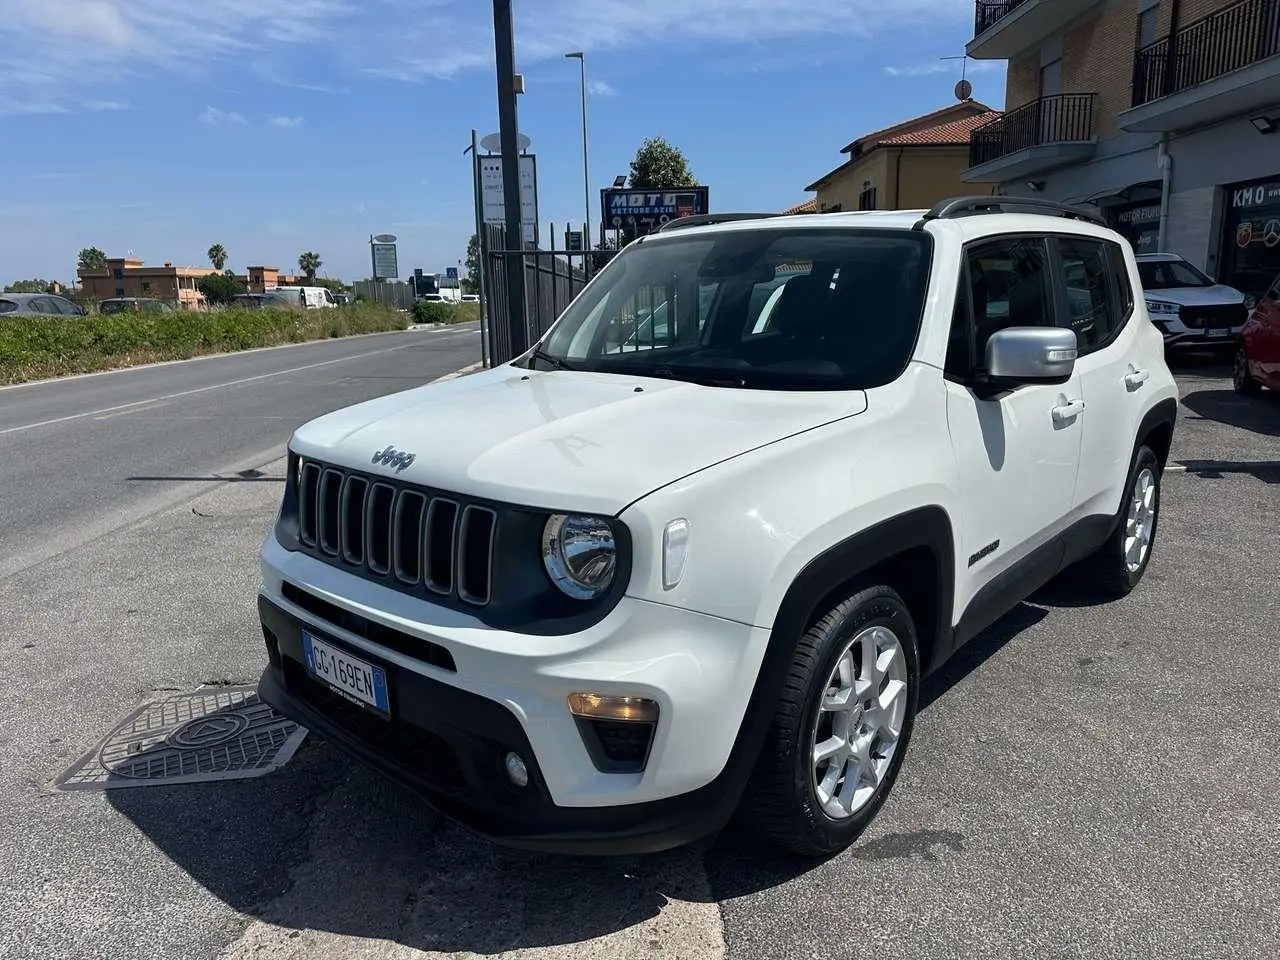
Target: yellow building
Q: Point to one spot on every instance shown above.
(128, 277)
(907, 166)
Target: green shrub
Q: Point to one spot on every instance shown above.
(436, 312)
(33, 348)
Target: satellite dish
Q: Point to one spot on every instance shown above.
(964, 90)
(493, 142)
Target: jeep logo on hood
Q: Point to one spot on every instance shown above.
(391, 457)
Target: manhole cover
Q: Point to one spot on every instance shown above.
(216, 734)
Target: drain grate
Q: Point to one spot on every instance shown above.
(216, 734)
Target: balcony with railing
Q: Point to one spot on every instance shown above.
(1223, 65)
(1005, 28)
(1042, 135)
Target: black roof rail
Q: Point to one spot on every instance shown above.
(953, 207)
(703, 219)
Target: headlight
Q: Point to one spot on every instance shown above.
(1163, 308)
(580, 555)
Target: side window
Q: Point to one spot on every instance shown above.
(1008, 287)
(1120, 274)
(959, 362)
(1086, 273)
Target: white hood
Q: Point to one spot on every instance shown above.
(587, 442)
(1217, 295)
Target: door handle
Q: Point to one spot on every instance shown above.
(1135, 378)
(1066, 412)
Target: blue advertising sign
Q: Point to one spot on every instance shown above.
(639, 212)
(451, 273)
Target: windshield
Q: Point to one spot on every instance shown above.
(782, 309)
(1170, 274)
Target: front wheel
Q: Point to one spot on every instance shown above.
(840, 729)
(1241, 378)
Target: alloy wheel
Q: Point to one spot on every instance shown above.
(859, 723)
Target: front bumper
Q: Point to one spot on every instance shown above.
(1177, 334)
(456, 715)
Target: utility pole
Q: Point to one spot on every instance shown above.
(581, 57)
(508, 131)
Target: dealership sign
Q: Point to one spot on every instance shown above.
(638, 212)
(383, 251)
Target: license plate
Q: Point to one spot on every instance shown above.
(350, 676)
(1218, 333)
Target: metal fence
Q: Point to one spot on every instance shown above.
(397, 295)
(552, 278)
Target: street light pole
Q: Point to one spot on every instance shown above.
(586, 176)
(508, 127)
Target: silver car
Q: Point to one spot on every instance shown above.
(1190, 309)
(39, 304)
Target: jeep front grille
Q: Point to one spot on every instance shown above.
(407, 535)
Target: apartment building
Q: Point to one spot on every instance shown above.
(128, 277)
(912, 164)
(1165, 114)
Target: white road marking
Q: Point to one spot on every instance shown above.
(188, 393)
(124, 413)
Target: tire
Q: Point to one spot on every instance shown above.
(1241, 378)
(782, 803)
(1110, 568)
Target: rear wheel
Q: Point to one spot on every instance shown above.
(1119, 564)
(1241, 378)
(840, 729)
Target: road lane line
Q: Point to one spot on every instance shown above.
(135, 409)
(188, 393)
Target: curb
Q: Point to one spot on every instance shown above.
(471, 368)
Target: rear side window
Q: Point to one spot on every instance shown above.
(1091, 310)
(8, 306)
(1120, 273)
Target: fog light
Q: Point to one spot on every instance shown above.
(597, 706)
(517, 772)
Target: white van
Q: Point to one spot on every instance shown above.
(312, 298)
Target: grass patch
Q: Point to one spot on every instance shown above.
(34, 348)
(424, 312)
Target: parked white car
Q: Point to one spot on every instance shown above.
(605, 596)
(1190, 309)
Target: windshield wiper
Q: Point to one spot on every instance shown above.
(539, 354)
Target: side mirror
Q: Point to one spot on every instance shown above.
(1021, 355)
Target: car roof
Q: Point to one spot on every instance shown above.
(24, 297)
(972, 226)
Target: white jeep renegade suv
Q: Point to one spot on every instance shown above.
(682, 560)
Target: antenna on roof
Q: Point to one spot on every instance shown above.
(964, 89)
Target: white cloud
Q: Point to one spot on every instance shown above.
(90, 48)
(943, 66)
(286, 121)
(218, 118)
(601, 88)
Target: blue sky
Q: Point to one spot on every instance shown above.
(277, 126)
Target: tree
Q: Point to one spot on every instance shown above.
(218, 256)
(333, 284)
(604, 252)
(91, 258)
(309, 263)
(28, 286)
(660, 166)
(471, 282)
(220, 287)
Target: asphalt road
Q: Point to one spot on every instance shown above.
(88, 453)
(1086, 780)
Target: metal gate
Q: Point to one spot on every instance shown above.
(552, 278)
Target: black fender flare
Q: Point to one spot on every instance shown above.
(928, 527)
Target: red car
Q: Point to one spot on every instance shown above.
(1258, 357)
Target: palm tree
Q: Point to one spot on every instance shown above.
(218, 256)
(309, 263)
